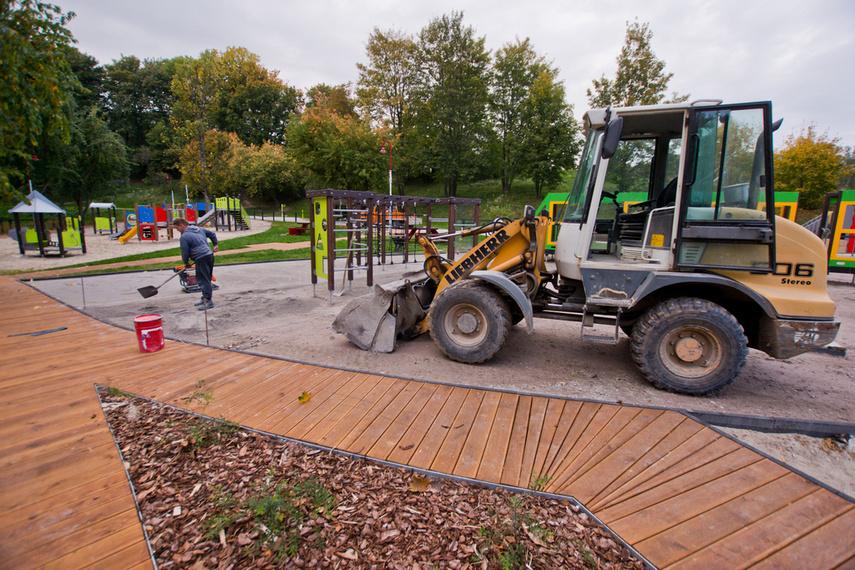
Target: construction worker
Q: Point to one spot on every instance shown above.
(194, 246)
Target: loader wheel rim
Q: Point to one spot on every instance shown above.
(465, 325)
(691, 352)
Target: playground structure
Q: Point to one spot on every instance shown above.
(39, 238)
(786, 206)
(353, 227)
(836, 226)
(146, 222)
(101, 223)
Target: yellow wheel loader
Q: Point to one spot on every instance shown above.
(695, 275)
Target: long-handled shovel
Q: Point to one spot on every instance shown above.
(151, 290)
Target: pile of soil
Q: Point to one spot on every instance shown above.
(213, 495)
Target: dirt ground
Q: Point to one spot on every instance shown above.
(273, 309)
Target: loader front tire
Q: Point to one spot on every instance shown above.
(690, 346)
(469, 321)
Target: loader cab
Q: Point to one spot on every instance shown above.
(679, 191)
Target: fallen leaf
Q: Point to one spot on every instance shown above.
(304, 397)
(419, 484)
(243, 539)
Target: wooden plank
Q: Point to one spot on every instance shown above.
(684, 481)
(495, 453)
(412, 438)
(323, 398)
(428, 449)
(388, 441)
(516, 446)
(594, 418)
(564, 437)
(694, 500)
(101, 544)
(719, 522)
(652, 462)
(368, 414)
(551, 419)
(75, 499)
(476, 438)
(762, 539)
(829, 546)
(382, 419)
(318, 423)
(30, 534)
(449, 452)
(534, 431)
(340, 433)
(704, 447)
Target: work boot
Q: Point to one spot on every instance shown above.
(203, 305)
(199, 303)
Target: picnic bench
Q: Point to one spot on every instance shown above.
(300, 231)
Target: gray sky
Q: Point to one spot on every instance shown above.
(799, 54)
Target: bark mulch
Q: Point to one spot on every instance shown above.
(213, 495)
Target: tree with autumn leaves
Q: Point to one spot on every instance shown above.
(812, 164)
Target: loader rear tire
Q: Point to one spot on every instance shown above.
(690, 346)
(469, 321)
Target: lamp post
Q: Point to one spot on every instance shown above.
(383, 150)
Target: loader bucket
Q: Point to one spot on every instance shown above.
(375, 321)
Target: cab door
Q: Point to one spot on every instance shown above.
(728, 174)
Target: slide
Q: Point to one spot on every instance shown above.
(128, 235)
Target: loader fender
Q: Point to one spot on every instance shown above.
(513, 290)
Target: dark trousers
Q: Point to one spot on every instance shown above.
(204, 274)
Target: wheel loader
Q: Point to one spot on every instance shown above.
(695, 274)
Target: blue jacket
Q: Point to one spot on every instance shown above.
(194, 243)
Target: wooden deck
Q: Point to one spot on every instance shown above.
(682, 494)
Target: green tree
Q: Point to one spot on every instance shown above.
(516, 68)
(640, 78)
(196, 87)
(253, 102)
(812, 164)
(84, 167)
(384, 90)
(340, 151)
(550, 134)
(204, 162)
(35, 79)
(449, 108)
(265, 172)
(89, 74)
(138, 95)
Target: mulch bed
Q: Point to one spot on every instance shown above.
(213, 495)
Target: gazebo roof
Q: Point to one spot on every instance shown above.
(38, 204)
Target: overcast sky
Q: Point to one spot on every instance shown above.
(800, 54)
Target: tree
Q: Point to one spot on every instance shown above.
(138, 95)
(35, 79)
(549, 133)
(267, 172)
(204, 162)
(516, 68)
(384, 89)
(89, 74)
(449, 110)
(253, 102)
(335, 98)
(196, 86)
(811, 164)
(640, 78)
(339, 151)
(82, 168)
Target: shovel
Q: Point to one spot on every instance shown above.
(151, 290)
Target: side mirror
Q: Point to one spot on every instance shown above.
(611, 138)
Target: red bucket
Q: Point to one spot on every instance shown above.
(149, 332)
